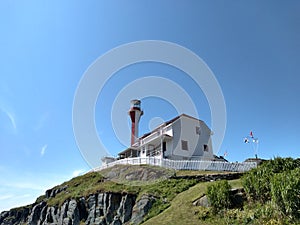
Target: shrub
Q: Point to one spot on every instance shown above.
(278, 164)
(257, 181)
(257, 185)
(218, 194)
(285, 192)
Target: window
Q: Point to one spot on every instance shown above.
(184, 145)
(205, 147)
(164, 146)
(198, 131)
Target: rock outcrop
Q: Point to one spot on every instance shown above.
(51, 193)
(102, 208)
(15, 216)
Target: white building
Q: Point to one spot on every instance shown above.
(181, 143)
(182, 138)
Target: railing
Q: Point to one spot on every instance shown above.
(154, 152)
(184, 164)
(154, 135)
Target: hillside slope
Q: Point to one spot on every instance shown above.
(119, 195)
(182, 210)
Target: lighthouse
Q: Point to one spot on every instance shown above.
(135, 114)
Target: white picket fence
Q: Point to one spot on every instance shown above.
(184, 164)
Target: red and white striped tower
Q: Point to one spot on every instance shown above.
(135, 114)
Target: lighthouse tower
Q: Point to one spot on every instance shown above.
(135, 114)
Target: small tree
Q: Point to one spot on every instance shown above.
(218, 194)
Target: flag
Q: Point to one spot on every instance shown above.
(251, 134)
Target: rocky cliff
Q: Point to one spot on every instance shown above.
(94, 198)
(102, 208)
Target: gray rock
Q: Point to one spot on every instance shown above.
(15, 216)
(73, 212)
(116, 222)
(238, 197)
(125, 209)
(35, 213)
(49, 217)
(51, 193)
(43, 215)
(103, 209)
(203, 201)
(83, 213)
(3, 215)
(62, 213)
(141, 208)
(91, 205)
(113, 205)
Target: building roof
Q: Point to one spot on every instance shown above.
(126, 150)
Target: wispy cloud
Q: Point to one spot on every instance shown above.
(4, 197)
(41, 121)
(10, 201)
(19, 188)
(43, 150)
(23, 185)
(78, 172)
(11, 118)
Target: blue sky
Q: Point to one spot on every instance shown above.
(252, 47)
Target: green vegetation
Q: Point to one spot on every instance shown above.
(285, 192)
(95, 182)
(272, 191)
(218, 194)
(276, 184)
(182, 211)
(164, 192)
(257, 181)
(199, 172)
(86, 185)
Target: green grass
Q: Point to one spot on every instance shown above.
(199, 172)
(95, 182)
(86, 185)
(182, 211)
(164, 192)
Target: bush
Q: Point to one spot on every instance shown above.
(257, 184)
(285, 192)
(278, 164)
(257, 181)
(218, 194)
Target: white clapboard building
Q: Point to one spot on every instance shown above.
(181, 138)
(182, 143)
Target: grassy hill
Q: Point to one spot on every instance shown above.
(273, 197)
(272, 190)
(161, 184)
(182, 211)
